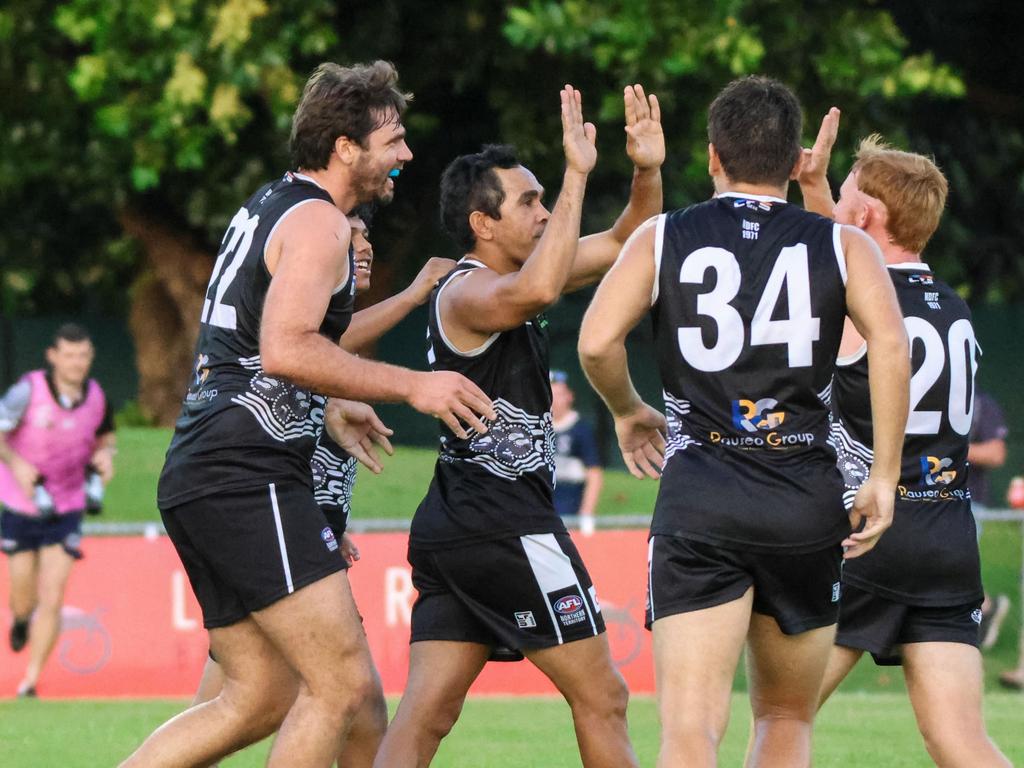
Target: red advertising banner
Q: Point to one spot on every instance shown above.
(132, 627)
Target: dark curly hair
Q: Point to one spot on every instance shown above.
(755, 125)
(364, 212)
(470, 184)
(343, 101)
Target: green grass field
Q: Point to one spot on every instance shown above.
(854, 730)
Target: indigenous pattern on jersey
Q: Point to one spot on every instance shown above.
(500, 483)
(933, 527)
(238, 426)
(748, 309)
(334, 475)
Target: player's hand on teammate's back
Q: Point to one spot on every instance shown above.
(814, 168)
(427, 278)
(356, 428)
(645, 139)
(453, 399)
(641, 436)
(578, 138)
(872, 506)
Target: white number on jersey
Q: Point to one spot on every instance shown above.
(798, 332)
(234, 248)
(963, 364)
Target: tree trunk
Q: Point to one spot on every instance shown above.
(164, 317)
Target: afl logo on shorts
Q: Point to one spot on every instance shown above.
(329, 539)
(569, 604)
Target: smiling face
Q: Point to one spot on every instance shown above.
(523, 215)
(385, 150)
(363, 251)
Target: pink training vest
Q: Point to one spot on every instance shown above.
(58, 441)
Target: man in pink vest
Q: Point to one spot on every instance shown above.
(54, 426)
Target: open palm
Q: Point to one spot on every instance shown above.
(645, 139)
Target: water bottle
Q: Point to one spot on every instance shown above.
(1015, 493)
(93, 491)
(42, 499)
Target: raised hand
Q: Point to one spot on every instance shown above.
(645, 140)
(427, 278)
(814, 168)
(642, 441)
(356, 428)
(452, 398)
(873, 505)
(578, 137)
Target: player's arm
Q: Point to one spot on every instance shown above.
(13, 405)
(105, 447)
(369, 324)
(621, 300)
(813, 176)
(307, 258)
(485, 302)
(873, 308)
(990, 454)
(645, 145)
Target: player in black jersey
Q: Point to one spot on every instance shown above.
(493, 563)
(235, 494)
(333, 466)
(747, 295)
(915, 599)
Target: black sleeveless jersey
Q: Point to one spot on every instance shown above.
(500, 483)
(334, 476)
(238, 426)
(930, 554)
(748, 312)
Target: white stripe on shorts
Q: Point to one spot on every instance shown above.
(280, 538)
(553, 571)
(650, 576)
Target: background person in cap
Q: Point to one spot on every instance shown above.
(579, 473)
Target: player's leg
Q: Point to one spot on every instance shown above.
(440, 673)
(54, 568)
(318, 631)
(210, 684)
(258, 688)
(785, 676)
(841, 660)
(695, 658)
(22, 571)
(584, 673)
(368, 728)
(945, 684)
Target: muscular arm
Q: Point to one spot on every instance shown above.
(307, 259)
(369, 324)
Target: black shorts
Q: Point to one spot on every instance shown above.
(28, 533)
(246, 549)
(879, 626)
(520, 593)
(801, 592)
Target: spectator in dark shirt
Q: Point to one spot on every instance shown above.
(987, 451)
(578, 472)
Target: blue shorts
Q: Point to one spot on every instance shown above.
(23, 533)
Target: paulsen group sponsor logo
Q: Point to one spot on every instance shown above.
(934, 472)
(760, 421)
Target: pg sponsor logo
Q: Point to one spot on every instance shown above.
(934, 471)
(759, 422)
(570, 608)
(751, 416)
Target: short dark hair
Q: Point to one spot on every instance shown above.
(364, 211)
(70, 332)
(469, 184)
(343, 101)
(755, 124)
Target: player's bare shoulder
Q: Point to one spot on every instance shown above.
(316, 228)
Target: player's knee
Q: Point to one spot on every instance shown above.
(691, 736)
(443, 718)
(607, 702)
